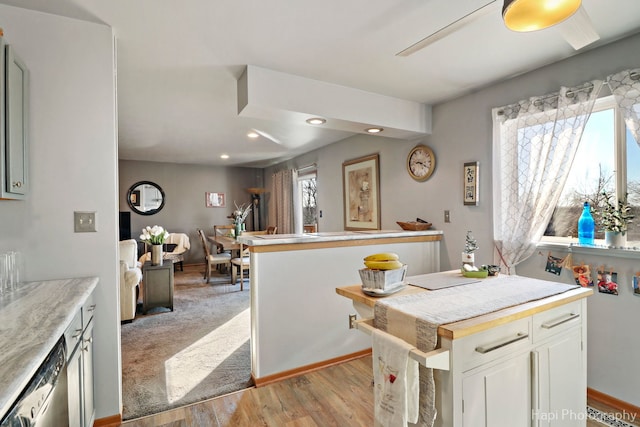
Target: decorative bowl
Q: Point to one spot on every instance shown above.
(382, 279)
(480, 274)
(414, 225)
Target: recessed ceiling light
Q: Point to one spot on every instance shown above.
(253, 135)
(224, 156)
(316, 121)
(374, 130)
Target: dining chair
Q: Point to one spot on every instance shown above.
(241, 263)
(212, 259)
(272, 229)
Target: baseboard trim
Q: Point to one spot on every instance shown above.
(618, 404)
(112, 421)
(270, 379)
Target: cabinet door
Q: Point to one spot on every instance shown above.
(74, 384)
(87, 376)
(499, 396)
(17, 120)
(560, 382)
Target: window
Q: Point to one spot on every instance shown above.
(308, 196)
(608, 158)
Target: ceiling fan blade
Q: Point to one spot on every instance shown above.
(578, 30)
(451, 28)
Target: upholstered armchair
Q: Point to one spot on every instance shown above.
(130, 277)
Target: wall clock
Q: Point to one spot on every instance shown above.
(421, 162)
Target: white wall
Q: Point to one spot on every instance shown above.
(72, 167)
(184, 187)
(462, 132)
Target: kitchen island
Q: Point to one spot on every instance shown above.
(520, 365)
(297, 323)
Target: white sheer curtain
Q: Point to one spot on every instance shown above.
(625, 87)
(282, 209)
(534, 143)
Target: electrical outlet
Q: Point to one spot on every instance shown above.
(352, 319)
(447, 217)
(84, 222)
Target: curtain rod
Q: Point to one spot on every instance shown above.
(570, 94)
(310, 166)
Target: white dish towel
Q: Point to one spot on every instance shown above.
(396, 382)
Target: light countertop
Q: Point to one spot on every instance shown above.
(32, 319)
(333, 236)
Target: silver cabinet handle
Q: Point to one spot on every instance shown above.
(91, 307)
(494, 346)
(535, 388)
(553, 324)
(17, 184)
(78, 334)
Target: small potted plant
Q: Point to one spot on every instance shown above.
(470, 246)
(614, 219)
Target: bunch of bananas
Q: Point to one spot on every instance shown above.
(383, 261)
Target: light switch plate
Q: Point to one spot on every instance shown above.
(84, 222)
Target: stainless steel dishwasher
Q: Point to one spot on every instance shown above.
(43, 402)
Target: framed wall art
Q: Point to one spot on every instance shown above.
(214, 200)
(361, 178)
(135, 198)
(471, 181)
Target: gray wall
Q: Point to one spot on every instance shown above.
(73, 166)
(402, 198)
(184, 187)
(462, 132)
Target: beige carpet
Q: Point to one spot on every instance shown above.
(198, 351)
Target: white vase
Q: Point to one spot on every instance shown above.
(615, 239)
(468, 258)
(156, 254)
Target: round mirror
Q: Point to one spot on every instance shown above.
(145, 198)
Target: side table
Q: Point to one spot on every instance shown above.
(157, 286)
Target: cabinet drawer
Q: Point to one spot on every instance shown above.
(491, 344)
(557, 320)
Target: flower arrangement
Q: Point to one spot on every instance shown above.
(241, 212)
(155, 235)
(615, 218)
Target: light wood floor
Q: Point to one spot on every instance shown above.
(340, 396)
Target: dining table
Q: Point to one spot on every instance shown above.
(228, 244)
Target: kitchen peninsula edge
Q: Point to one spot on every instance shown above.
(296, 321)
(39, 313)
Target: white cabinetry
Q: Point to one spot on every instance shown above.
(79, 337)
(14, 127)
(527, 372)
(498, 396)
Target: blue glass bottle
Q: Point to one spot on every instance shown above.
(586, 226)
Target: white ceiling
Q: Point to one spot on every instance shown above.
(179, 61)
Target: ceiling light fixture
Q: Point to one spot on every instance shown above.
(532, 15)
(224, 156)
(253, 135)
(374, 130)
(316, 121)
